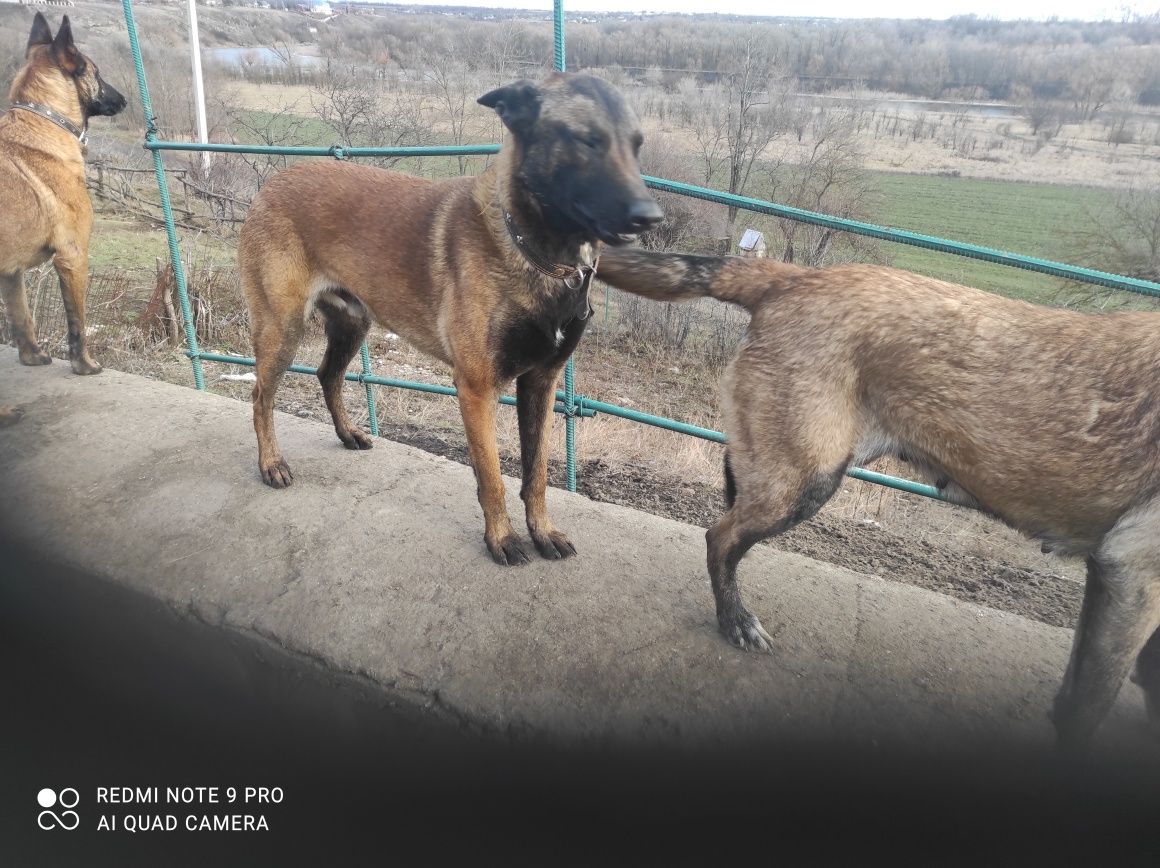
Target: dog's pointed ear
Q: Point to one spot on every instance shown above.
(517, 104)
(41, 34)
(68, 58)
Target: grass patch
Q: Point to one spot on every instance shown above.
(1042, 220)
(132, 245)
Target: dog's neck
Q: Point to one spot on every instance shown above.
(521, 216)
(51, 88)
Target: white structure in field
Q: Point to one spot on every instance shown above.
(752, 243)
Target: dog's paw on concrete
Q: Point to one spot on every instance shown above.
(278, 474)
(746, 632)
(509, 551)
(35, 357)
(85, 367)
(553, 545)
(357, 439)
(10, 415)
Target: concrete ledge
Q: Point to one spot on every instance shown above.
(373, 564)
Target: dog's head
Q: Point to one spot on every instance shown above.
(577, 142)
(97, 96)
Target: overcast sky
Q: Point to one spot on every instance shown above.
(1088, 10)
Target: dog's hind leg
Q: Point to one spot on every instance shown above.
(1121, 611)
(20, 320)
(72, 266)
(759, 512)
(275, 342)
(347, 323)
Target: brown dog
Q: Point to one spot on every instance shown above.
(48, 213)
(1048, 419)
(489, 274)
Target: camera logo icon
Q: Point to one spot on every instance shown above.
(67, 819)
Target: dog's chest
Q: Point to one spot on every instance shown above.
(537, 339)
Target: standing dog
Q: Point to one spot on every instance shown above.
(1047, 419)
(490, 274)
(47, 210)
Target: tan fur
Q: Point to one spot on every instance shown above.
(47, 210)
(433, 262)
(1049, 419)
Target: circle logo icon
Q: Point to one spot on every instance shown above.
(67, 819)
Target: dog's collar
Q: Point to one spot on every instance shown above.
(575, 277)
(57, 118)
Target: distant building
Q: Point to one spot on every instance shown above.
(752, 243)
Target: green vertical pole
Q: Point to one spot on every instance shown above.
(167, 209)
(569, 369)
(371, 410)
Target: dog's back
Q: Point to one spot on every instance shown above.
(933, 370)
(309, 228)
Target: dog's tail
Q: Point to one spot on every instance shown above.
(680, 276)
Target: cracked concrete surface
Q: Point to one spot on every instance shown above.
(373, 563)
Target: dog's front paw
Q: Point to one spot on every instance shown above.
(745, 631)
(356, 438)
(35, 356)
(278, 474)
(553, 545)
(508, 551)
(85, 366)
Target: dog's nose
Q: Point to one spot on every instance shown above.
(644, 214)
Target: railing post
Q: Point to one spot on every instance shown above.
(570, 368)
(166, 207)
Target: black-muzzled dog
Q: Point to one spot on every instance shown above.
(48, 213)
(489, 274)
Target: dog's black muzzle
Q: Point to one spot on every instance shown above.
(637, 217)
(109, 101)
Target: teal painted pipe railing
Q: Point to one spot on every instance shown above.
(163, 188)
(374, 380)
(902, 236)
(332, 151)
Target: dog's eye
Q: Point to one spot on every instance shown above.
(593, 141)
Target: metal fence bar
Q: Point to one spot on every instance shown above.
(559, 64)
(902, 236)
(163, 189)
(582, 408)
(338, 151)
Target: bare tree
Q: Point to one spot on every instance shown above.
(363, 113)
(824, 172)
(752, 119)
(1123, 239)
(455, 94)
(272, 128)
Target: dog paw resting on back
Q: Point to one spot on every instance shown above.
(680, 276)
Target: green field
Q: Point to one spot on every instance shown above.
(1042, 220)
(1047, 221)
